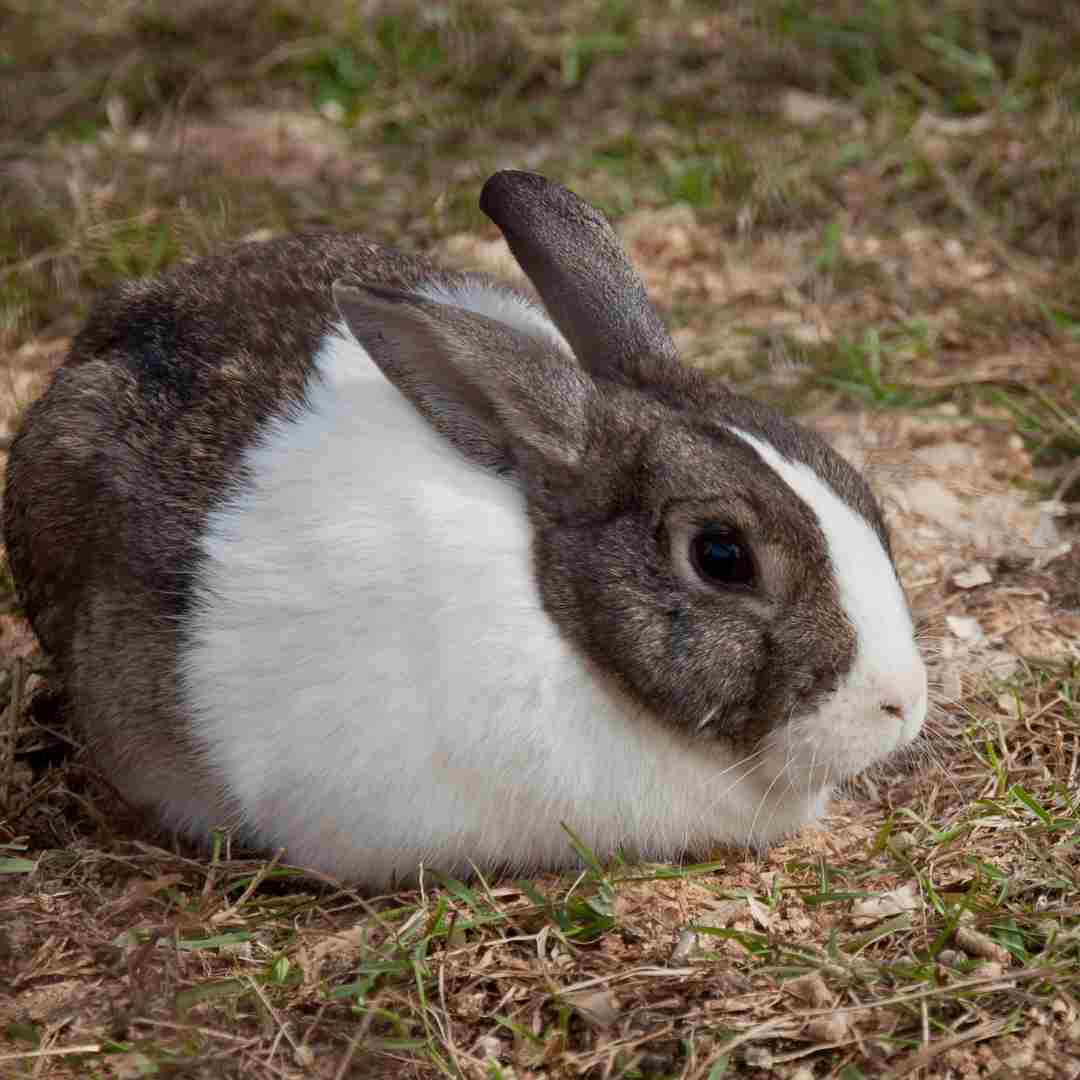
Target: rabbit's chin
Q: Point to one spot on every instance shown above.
(802, 765)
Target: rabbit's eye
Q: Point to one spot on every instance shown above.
(720, 557)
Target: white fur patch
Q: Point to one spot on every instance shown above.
(853, 729)
(371, 670)
(497, 302)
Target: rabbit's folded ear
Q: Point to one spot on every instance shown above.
(581, 271)
(501, 396)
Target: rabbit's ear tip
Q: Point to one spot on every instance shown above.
(572, 255)
(510, 179)
(504, 188)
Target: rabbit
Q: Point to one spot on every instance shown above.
(397, 567)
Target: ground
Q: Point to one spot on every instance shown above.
(867, 213)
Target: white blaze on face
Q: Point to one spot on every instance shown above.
(880, 703)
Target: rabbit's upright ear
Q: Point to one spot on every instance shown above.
(594, 295)
(498, 394)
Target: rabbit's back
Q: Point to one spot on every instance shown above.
(117, 466)
(143, 428)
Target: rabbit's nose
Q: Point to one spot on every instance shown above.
(909, 707)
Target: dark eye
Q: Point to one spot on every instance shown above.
(721, 557)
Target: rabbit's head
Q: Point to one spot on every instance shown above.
(716, 561)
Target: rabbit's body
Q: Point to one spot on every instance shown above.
(429, 597)
(491, 731)
(116, 468)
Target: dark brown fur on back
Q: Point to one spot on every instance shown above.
(168, 383)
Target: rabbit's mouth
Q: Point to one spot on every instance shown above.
(834, 743)
(791, 775)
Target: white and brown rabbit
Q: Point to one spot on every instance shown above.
(390, 565)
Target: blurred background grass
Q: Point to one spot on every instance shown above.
(133, 133)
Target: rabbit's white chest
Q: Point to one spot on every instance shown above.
(371, 669)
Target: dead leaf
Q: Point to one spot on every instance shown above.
(346, 943)
(976, 943)
(723, 914)
(600, 1008)
(130, 1065)
(966, 628)
(759, 913)
(812, 990)
(828, 1029)
(971, 578)
(139, 891)
(875, 909)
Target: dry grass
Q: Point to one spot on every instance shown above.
(867, 210)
